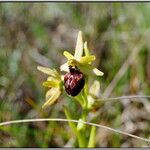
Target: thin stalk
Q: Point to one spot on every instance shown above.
(76, 121)
(123, 97)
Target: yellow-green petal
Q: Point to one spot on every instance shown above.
(86, 50)
(87, 59)
(51, 83)
(79, 46)
(68, 55)
(53, 98)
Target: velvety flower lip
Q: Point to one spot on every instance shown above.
(74, 81)
(54, 83)
(82, 62)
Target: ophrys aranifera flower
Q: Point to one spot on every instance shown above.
(81, 62)
(77, 67)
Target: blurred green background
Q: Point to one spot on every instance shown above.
(34, 34)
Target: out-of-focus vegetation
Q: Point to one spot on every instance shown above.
(34, 34)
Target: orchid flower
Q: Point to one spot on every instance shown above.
(80, 61)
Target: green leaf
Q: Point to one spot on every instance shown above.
(71, 124)
(79, 46)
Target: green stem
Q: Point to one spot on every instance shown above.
(80, 129)
(91, 143)
(79, 135)
(84, 114)
(81, 139)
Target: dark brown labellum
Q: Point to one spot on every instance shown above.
(74, 81)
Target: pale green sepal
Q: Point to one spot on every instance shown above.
(47, 71)
(49, 93)
(89, 70)
(97, 72)
(79, 46)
